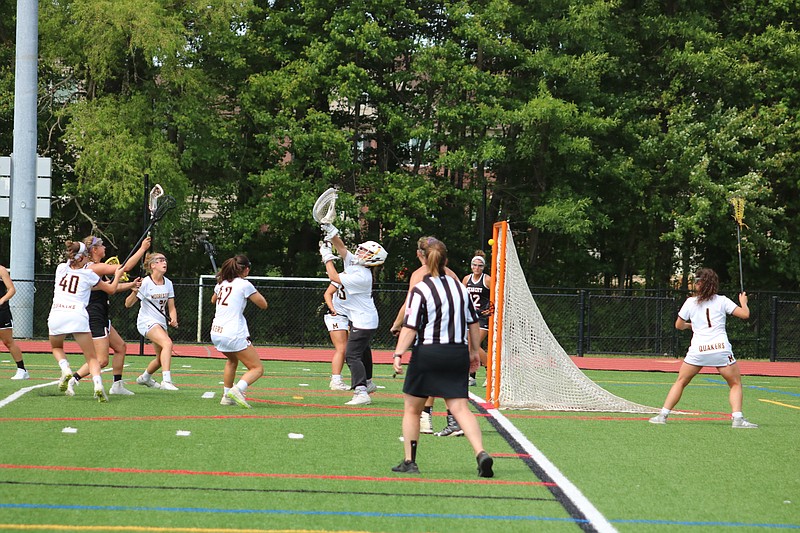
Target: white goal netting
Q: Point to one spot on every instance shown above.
(535, 371)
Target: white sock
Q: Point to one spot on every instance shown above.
(664, 411)
(98, 382)
(242, 385)
(336, 377)
(166, 375)
(225, 391)
(361, 389)
(146, 375)
(64, 364)
(737, 414)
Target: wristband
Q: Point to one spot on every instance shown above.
(398, 355)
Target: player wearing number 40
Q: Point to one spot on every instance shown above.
(156, 297)
(68, 316)
(229, 331)
(706, 314)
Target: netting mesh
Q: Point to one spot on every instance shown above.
(535, 371)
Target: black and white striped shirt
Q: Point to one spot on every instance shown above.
(440, 310)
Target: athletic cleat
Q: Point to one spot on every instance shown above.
(21, 374)
(149, 382)
(485, 463)
(742, 423)
(360, 398)
(407, 467)
(371, 387)
(452, 429)
(339, 385)
(71, 387)
(64, 381)
(237, 396)
(473, 382)
(226, 401)
(425, 423)
(658, 419)
(100, 395)
(167, 385)
(118, 387)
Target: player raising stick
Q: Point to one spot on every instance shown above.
(104, 334)
(68, 315)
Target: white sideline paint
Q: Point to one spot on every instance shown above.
(575, 495)
(21, 392)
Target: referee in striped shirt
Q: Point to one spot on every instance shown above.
(441, 317)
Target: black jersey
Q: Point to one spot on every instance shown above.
(98, 303)
(479, 293)
(3, 292)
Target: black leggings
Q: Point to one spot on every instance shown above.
(358, 355)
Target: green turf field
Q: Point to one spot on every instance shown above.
(127, 468)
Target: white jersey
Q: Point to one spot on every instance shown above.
(338, 297)
(156, 311)
(70, 296)
(229, 322)
(708, 325)
(357, 282)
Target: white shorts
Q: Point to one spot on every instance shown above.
(147, 326)
(710, 359)
(337, 322)
(66, 322)
(229, 345)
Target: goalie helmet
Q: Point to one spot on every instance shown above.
(373, 254)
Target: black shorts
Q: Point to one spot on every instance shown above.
(440, 370)
(5, 316)
(99, 327)
(483, 321)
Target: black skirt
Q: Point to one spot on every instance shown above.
(440, 370)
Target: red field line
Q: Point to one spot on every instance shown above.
(323, 355)
(266, 475)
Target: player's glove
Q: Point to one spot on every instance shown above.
(326, 252)
(330, 230)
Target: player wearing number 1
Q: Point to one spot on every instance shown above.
(229, 331)
(706, 314)
(68, 315)
(157, 302)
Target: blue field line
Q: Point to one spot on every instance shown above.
(755, 387)
(62, 507)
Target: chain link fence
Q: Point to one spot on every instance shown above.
(584, 321)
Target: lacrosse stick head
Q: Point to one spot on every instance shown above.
(324, 211)
(738, 210)
(155, 193)
(114, 260)
(167, 202)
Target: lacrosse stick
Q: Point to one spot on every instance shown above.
(157, 212)
(160, 312)
(324, 211)
(738, 215)
(114, 260)
(210, 250)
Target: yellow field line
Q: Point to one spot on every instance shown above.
(779, 403)
(61, 527)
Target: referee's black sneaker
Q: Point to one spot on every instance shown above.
(407, 467)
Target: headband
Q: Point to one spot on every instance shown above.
(478, 258)
(81, 251)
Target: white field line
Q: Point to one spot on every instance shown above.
(21, 392)
(581, 502)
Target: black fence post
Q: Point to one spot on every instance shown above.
(773, 348)
(581, 320)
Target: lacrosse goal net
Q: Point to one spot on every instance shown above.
(527, 368)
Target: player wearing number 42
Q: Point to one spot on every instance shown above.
(229, 331)
(706, 314)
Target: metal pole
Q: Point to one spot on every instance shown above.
(145, 219)
(23, 167)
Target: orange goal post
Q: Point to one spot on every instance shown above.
(526, 367)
